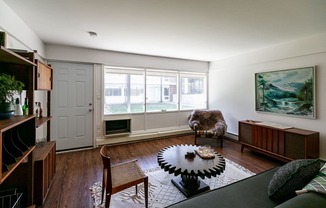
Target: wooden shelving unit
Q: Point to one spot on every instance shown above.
(45, 160)
(8, 56)
(18, 133)
(43, 76)
(43, 120)
(20, 171)
(45, 154)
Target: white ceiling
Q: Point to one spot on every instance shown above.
(205, 30)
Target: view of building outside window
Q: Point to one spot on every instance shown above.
(125, 90)
(161, 91)
(193, 91)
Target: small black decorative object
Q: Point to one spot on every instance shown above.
(190, 155)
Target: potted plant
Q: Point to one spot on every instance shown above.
(9, 86)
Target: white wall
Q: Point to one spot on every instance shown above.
(111, 58)
(232, 83)
(143, 125)
(19, 35)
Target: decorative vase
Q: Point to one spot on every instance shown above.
(6, 110)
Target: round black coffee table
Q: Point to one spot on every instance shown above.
(174, 159)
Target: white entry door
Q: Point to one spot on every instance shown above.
(72, 105)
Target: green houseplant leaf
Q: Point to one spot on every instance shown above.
(9, 86)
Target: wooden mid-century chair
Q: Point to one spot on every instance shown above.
(120, 176)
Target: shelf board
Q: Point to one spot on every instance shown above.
(13, 121)
(41, 151)
(7, 56)
(12, 167)
(41, 121)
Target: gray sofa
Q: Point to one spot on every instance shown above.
(251, 192)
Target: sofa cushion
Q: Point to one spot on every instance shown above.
(291, 177)
(317, 184)
(308, 200)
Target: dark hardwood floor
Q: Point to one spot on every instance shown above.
(77, 171)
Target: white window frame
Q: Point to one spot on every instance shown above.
(159, 72)
(205, 88)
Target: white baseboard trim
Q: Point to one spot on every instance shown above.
(232, 136)
(140, 136)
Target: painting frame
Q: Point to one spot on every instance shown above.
(290, 92)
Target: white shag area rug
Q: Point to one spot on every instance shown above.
(161, 190)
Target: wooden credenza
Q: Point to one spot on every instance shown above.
(45, 166)
(285, 144)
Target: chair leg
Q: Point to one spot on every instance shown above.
(146, 191)
(221, 141)
(103, 185)
(136, 189)
(107, 200)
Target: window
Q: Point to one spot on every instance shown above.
(125, 90)
(193, 91)
(113, 92)
(161, 90)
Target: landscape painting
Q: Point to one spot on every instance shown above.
(288, 92)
